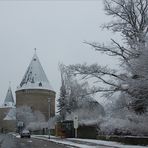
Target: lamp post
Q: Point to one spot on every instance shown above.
(49, 118)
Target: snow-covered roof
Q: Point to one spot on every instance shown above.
(9, 101)
(11, 114)
(35, 77)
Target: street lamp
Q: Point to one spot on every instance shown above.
(49, 118)
(49, 106)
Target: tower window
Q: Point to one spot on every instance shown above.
(40, 84)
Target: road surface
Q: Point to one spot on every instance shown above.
(9, 141)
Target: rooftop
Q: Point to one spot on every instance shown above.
(35, 77)
(9, 101)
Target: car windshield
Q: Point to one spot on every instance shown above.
(25, 131)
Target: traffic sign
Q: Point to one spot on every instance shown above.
(75, 120)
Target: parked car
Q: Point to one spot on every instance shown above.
(25, 133)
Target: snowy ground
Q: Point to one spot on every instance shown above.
(7, 141)
(87, 143)
(1, 139)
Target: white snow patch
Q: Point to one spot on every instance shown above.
(65, 142)
(98, 143)
(73, 144)
(45, 86)
(2, 106)
(107, 143)
(18, 136)
(30, 141)
(11, 114)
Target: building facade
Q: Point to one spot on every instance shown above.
(35, 90)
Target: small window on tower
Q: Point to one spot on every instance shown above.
(34, 59)
(40, 84)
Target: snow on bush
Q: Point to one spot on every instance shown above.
(130, 124)
(25, 114)
(30, 118)
(87, 116)
(11, 114)
(37, 126)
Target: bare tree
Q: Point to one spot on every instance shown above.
(130, 19)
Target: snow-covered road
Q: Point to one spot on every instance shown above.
(7, 141)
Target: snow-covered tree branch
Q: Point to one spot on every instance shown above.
(130, 19)
(74, 95)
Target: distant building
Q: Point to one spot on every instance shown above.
(9, 100)
(7, 113)
(35, 90)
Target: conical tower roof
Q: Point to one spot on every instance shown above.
(35, 77)
(9, 101)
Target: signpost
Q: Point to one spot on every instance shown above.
(75, 121)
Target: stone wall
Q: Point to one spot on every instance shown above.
(9, 126)
(38, 100)
(6, 125)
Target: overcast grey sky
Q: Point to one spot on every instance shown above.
(57, 29)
